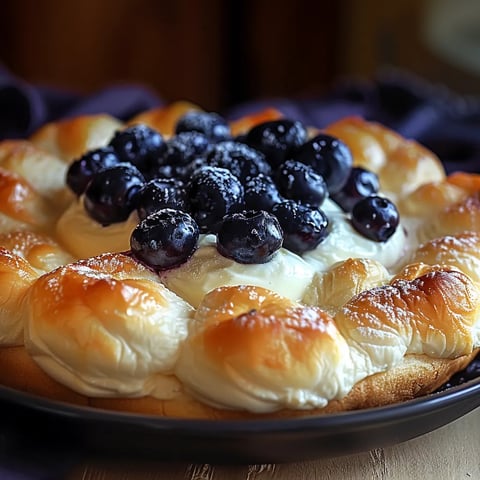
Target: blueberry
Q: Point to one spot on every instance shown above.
(214, 192)
(244, 162)
(139, 145)
(82, 170)
(183, 148)
(304, 227)
(300, 182)
(329, 157)
(164, 171)
(110, 195)
(186, 172)
(261, 193)
(212, 125)
(161, 193)
(361, 183)
(277, 139)
(165, 239)
(249, 237)
(375, 217)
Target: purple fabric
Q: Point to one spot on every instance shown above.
(446, 123)
(25, 107)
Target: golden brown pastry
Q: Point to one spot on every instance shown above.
(469, 182)
(24, 256)
(16, 276)
(42, 170)
(106, 327)
(430, 198)
(463, 216)
(39, 250)
(244, 124)
(369, 142)
(461, 251)
(70, 138)
(22, 207)
(402, 165)
(436, 314)
(164, 118)
(250, 349)
(333, 288)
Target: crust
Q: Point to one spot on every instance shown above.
(417, 375)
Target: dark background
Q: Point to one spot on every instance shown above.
(219, 53)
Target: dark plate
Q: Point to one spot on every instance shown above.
(30, 422)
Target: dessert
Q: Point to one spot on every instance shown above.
(181, 265)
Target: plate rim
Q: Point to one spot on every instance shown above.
(421, 405)
(84, 430)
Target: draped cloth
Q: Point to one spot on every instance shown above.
(444, 122)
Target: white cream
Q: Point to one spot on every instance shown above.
(286, 273)
(345, 242)
(85, 237)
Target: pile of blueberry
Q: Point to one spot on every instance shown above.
(256, 192)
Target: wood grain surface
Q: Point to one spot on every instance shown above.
(449, 453)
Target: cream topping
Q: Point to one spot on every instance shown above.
(85, 237)
(286, 273)
(345, 242)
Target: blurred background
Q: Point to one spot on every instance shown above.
(219, 53)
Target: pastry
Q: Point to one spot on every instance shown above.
(70, 138)
(106, 327)
(22, 207)
(24, 256)
(189, 267)
(45, 172)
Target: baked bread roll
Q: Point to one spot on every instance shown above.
(250, 349)
(22, 207)
(24, 256)
(333, 288)
(463, 216)
(106, 327)
(401, 165)
(42, 170)
(16, 276)
(71, 138)
(459, 251)
(435, 314)
(369, 142)
(164, 118)
(430, 198)
(42, 252)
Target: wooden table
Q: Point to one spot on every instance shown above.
(449, 453)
